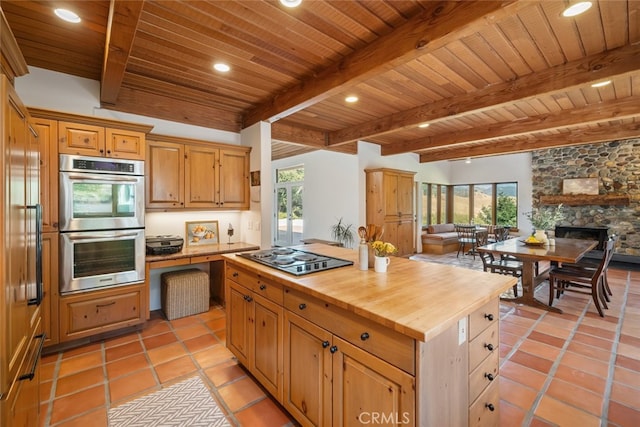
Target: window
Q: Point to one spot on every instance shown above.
(434, 204)
(483, 203)
(461, 204)
(507, 204)
(495, 203)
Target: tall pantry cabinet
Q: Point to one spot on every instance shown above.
(389, 200)
(20, 325)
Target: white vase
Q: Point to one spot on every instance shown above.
(541, 236)
(381, 264)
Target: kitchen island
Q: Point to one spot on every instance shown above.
(417, 345)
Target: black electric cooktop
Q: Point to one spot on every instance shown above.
(294, 261)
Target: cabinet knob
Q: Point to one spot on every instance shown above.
(248, 298)
(263, 287)
(333, 349)
(364, 336)
(489, 376)
(302, 306)
(325, 344)
(490, 406)
(489, 317)
(235, 274)
(489, 347)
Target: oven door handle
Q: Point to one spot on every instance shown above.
(103, 236)
(110, 179)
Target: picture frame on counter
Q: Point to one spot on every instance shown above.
(201, 233)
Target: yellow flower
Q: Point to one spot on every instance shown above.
(383, 248)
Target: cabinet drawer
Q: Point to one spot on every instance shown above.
(391, 346)
(481, 413)
(256, 283)
(101, 311)
(483, 376)
(241, 276)
(483, 345)
(483, 317)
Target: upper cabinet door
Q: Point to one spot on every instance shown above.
(124, 144)
(164, 175)
(200, 177)
(234, 179)
(80, 139)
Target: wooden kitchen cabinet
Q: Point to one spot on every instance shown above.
(99, 141)
(390, 203)
(484, 400)
(20, 310)
(164, 170)
(90, 313)
(190, 174)
(331, 376)
(50, 288)
(47, 130)
(255, 327)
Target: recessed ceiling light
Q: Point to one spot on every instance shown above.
(423, 125)
(351, 99)
(67, 15)
(577, 9)
(223, 68)
(290, 3)
(601, 84)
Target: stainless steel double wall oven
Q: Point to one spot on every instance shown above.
(101, 222)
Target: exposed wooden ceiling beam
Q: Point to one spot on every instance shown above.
(123, 22)
(596, 113)
(586, 136)
(177, 110)
(308, 137)
(593, 68)
(439, 24)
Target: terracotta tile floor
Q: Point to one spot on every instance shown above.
(565, 369)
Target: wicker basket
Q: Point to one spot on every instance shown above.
(184, 293)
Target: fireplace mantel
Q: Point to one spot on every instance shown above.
(584, 199)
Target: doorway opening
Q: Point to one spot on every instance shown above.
(289, 219)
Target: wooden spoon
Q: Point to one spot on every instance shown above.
(362, 232)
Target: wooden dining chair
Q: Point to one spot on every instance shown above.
(590, 263)
(588, 281)
(466, 237)
(506, 266)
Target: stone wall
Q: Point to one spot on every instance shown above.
(617, 166)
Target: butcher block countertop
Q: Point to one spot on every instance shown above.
(418, 299)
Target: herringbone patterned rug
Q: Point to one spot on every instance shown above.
(186, 404)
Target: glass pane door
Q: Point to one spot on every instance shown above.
(289, 222)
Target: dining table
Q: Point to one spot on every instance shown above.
(565, 250)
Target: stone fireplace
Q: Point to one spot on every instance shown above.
(614, 210)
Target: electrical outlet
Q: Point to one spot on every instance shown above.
(462, 330)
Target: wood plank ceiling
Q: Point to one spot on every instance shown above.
(490, 77)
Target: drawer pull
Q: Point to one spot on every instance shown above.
(247, 298)
(364, 336)
(325, 344)
(105, 305)
(489, 347)
(235, 274)
(489, 376)
(263, 287)
(490, 406)
(302, 306)
(489, 317)
(333, 349)
(32, 373)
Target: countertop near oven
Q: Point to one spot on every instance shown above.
(417, 299)
(194, 251)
